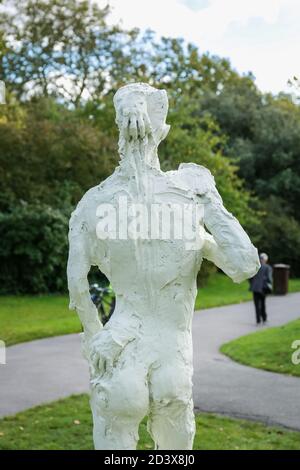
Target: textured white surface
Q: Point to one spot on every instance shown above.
(141, 361)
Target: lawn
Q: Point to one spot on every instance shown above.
(24, 318)
(66, 424)
(267, 349)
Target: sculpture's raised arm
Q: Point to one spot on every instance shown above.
(228, 245)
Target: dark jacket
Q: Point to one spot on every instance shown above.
(261, 278)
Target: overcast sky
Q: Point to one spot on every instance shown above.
(262, 36)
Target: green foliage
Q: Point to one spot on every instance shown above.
(62, 48)
(51, 155)
(62, 63)
(33, 252)
(172, 64)
(263, 136)
(198, 139)
(205, 274)
(279, 234)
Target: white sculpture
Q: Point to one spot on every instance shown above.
(141, 361)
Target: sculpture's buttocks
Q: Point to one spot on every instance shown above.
(145, 229)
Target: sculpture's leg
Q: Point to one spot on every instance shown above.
(172, 425)
(171, 421)
(119, 403)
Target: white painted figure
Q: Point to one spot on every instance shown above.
(141, 361)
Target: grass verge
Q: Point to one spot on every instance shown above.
(66, 424)
(269, 349)
(25, 318)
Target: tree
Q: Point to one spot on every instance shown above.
(264, 138)
(61, 48)
(279, 234)
(62, 63)
(198, 139)
(50, 155)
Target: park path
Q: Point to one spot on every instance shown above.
(224, 386)
(45, 370)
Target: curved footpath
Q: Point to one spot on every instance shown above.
(45, 370)
(224, 386)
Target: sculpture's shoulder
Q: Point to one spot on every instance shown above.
(85, 213)
(193, 177)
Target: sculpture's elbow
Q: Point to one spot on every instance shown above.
(247, 264)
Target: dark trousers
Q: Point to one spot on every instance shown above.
(260, 306)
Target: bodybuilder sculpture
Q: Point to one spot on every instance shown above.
(141, 361)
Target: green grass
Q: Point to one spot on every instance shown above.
(267, 349)
(221, 290)
(66, 424)
(294, 285)
(25, 318)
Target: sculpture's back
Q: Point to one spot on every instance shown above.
(137, 227)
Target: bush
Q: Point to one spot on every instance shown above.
(33, 252)
(279, 234)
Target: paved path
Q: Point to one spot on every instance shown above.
(52, 368)
(223, 386)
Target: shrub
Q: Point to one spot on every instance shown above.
(33, 252)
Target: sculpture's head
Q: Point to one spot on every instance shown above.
(139, 101)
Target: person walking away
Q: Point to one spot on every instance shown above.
(261, 285)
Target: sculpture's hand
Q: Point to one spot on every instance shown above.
(102, 352)
(135, 123)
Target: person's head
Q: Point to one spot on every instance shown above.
(263, 258)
